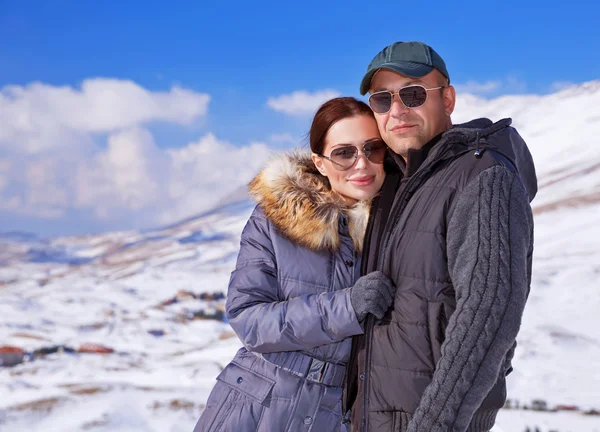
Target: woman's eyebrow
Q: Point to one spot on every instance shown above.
(342, 145)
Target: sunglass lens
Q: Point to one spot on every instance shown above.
(413, 96)
(344, 156)
(381, 102)
(375, 151)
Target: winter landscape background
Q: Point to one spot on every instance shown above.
(129, 130)
(131, 321)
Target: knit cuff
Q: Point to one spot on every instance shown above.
(401, 420)
(483, 421)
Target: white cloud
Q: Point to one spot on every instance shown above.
(561, 85)
(4, 167)
(39, 187)
(125, 175)
(282, 138)
(475, 87)
(39, 116)
(51, 161)
(205, 171)
(133, 181)
(508, 85)
(301, 102)
(514, 85)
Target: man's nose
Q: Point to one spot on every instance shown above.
(398, 108)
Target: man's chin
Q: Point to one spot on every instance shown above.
(402, 147)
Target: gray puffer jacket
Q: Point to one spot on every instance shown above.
(289, 303)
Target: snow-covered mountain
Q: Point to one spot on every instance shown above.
(152, 298)
(152, 301)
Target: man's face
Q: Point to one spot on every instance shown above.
(405, 128)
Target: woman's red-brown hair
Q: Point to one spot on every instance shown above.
(331, 112)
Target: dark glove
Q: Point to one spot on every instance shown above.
(372, 293)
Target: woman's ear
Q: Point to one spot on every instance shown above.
(318, 161)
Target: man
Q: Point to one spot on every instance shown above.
(453, 229)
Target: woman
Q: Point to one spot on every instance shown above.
(294, 298)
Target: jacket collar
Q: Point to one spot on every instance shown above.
(415, 158)
(298, 200)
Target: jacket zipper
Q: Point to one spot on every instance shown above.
(373, 220)
(370, 319)
(369, 324)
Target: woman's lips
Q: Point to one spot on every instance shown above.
(362, 181)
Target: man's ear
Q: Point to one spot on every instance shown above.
(449, 96)
(318, 161)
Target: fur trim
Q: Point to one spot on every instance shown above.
(299, 201)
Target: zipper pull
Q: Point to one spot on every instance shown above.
(477, 152)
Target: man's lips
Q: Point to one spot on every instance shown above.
(362, 181)
(402, 128)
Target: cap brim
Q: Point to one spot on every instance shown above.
(409, 69)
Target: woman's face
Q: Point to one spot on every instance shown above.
(364, 179)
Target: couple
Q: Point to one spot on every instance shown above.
(375, 289)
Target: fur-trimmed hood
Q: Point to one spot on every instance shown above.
(299, 201)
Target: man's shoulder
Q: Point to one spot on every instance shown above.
(492, 170)
(471, 164)
(485, 158)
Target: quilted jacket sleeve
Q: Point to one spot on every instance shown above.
(262, 319)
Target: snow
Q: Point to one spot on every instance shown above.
(116, 289)
(519, 420)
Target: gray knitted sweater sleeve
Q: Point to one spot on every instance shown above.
(489, 246)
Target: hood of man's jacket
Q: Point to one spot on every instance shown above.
(482, 134)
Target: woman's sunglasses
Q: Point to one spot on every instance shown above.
(344, 158)
(412, 96)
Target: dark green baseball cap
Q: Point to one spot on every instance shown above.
(413, 59)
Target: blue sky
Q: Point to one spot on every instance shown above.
(243, 53)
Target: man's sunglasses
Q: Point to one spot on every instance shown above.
(412, 96)
(344, 158)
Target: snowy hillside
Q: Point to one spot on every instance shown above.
(155, 299)
(124, 331)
